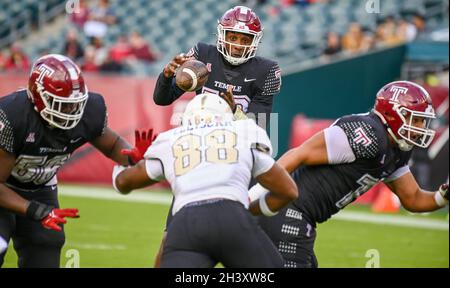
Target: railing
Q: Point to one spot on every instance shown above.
(21, 25)
(437, 9)
(13, 29)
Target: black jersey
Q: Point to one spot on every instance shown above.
(255, 82)
(41, 150)
(325, 189)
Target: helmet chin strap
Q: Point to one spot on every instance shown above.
(402, 144)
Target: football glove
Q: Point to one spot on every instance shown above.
(49, 216)
(239, 114)
(142, 142)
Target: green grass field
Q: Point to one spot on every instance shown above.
(125, 231)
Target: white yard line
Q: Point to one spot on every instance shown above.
(166, 199)
(110, 194)
(95, 246)
(395, 220)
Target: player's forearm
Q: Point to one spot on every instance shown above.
(292, 159)
(12, 201)
(281, 186)
(116, 154)
(164, 93)
(422, 201)
(132, 178)
(111, 145)
(312, 152)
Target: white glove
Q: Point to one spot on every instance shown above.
(116, 171)
(256, 192)
(3, 245)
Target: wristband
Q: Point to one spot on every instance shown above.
(440, 200)
(116, 171)
(37, 211)
(264, 208)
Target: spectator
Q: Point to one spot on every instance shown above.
(120, 51)
(406, 31)
(80, 17)
(100, 52)
(72, 48)
(368, 42)
(351, 42)
(333, 44)
(140, 49)
(387, 32)
(17, 60)
(99, 19)
(419, 22)
(111, 66)
(88, 63)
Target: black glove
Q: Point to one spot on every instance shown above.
(49, 216)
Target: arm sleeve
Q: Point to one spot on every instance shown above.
(262, 102)
(154, 169)
(262, 162)
(166, 90)
(6, 134)
(97, 112)
(105, 122)
(397, 174)
(338, 147)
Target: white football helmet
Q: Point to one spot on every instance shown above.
(206, 108)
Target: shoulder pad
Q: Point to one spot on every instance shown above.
(254, 136)
(361, 136)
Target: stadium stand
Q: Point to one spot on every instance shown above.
(173, 26)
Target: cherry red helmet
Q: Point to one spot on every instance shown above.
(57, 90)
(239, 19)
(401, 105)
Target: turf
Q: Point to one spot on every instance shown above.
(127, 234)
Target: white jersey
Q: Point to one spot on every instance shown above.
(215, 160)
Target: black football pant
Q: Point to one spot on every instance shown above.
(35, 246)
(169, 215)
(293, 236)
(205, 233)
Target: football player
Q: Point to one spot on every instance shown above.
(248, 82)
(40, 127)
(209, 162)
(342, 162)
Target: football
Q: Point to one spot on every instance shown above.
(192, 75)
